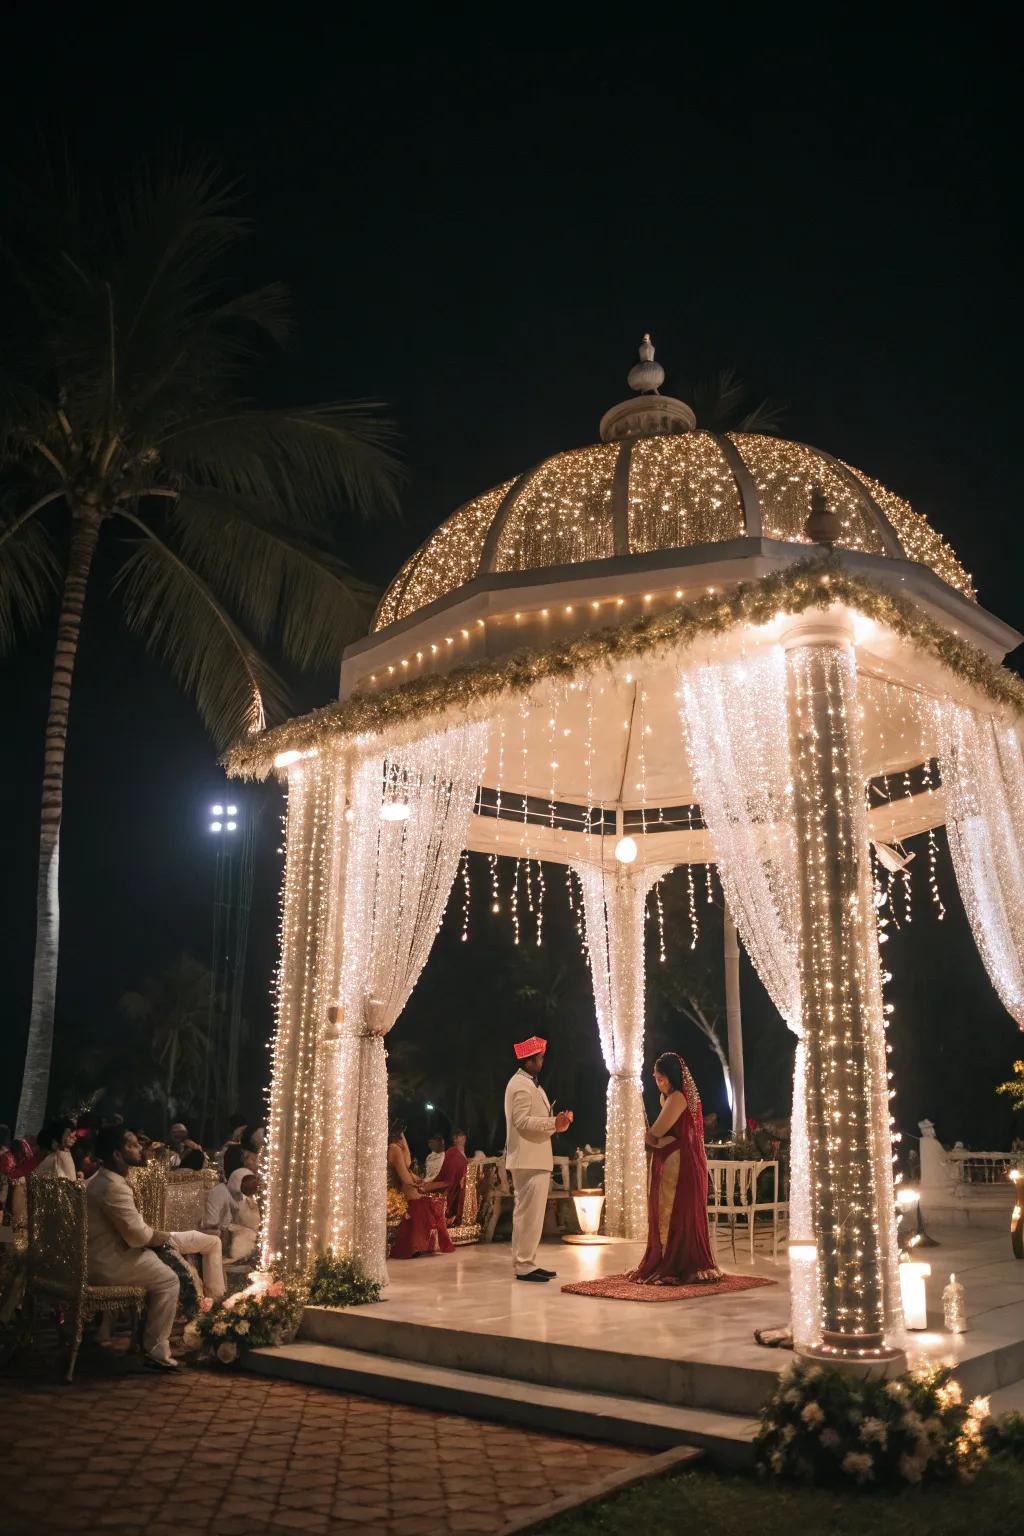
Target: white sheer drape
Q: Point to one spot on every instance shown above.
(983, 781)
(399, 873)
(613, 908)
(736, 726)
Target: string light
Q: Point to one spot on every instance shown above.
(464, 871)
(681, 492)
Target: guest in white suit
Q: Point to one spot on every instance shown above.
(121, 1244)
(529, 1127)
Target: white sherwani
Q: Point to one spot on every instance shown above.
(118, 1255)
(529, 1127)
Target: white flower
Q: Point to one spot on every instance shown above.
(814, 1373)
(190, 1335)
(873, 1430)
(830, 1439)
(979, 1408)
(221, 1327)
(812, 1415)
(242, 1326)
(911, 1468)
(858, 1464)
(778, 1461)
(911, 1422)
(949, 1395)
(227, 1353)
(792, 1396)
(896, 1390)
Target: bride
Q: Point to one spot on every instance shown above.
(678, 1240)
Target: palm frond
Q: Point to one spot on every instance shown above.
(279, 581)
(296, 463)
(766, 417)
(29, 575)
(181, 619)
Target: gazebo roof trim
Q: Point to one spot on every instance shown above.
(471, 688)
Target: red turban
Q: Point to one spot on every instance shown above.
(531, 1047)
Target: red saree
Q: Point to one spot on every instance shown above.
(452, 1173)
(678, 1240)
(423, 1230)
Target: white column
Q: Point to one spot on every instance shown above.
(845, 1091)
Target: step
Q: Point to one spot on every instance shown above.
(726, 1438)
(585, 1367)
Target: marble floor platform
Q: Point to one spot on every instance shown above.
(466, 1312)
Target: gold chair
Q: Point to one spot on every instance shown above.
(185, 1198)
(148, 1184)
(58, 1260)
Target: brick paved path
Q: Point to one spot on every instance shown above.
(212, 1453)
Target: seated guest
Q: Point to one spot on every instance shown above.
(233, 1213)
(55, 1142)
(245, 1152)
(244, 1228)
(184, 1152)
(435, 1157)
(122, 1246)
(423, 1228)
(452, 1175)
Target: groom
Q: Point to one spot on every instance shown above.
(529, 1127)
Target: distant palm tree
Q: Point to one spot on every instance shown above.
(173, 1009)
(121, 407)
(721, 403)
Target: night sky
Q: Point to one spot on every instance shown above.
(477, 225)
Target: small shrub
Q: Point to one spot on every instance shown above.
(1006, 1438)
(823, 1426)
(266, 1313)
(335, 1282)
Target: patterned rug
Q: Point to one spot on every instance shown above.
(618, 1288)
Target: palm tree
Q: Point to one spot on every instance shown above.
(173, 1007)
(121, 409)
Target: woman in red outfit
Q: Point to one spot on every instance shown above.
(678, 1239)
(422, 1229)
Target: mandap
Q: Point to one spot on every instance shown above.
(673, 646)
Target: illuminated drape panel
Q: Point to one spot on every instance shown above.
(848, 1127)
(735, 719)
(295, 1123)
(613, 907)
(736, 727)
(397, 880)
(980, 763)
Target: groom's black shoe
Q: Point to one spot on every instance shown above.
(536, 1274)
(549, 1274)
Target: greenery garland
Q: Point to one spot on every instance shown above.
(793, 590)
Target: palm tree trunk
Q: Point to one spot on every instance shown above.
(35, 1082)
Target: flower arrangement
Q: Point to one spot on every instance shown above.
(825, 1426)
(266, 1312)
(337, 1282)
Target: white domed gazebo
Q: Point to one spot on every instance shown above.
(670, 647)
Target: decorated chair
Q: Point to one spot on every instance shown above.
(57, 1260)
(148, 1184)
(185, 1197)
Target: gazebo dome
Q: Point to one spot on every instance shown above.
(658, 483)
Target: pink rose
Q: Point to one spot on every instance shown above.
(206, 1305)
(277, 1289)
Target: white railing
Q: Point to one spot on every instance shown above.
(970, 1167)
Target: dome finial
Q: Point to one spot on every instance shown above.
(646, 376)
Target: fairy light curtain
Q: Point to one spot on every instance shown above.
(408, 816)
(613, 909)
(304, 989)
(983, 779)
(736, 728)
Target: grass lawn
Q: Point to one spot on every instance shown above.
(706, 1504)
